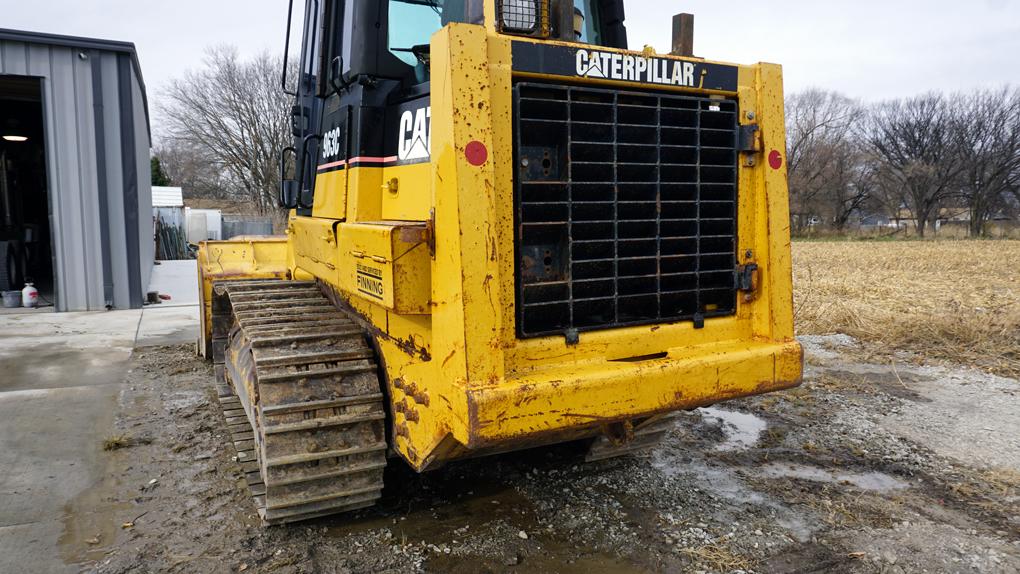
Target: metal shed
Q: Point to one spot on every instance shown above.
(85, 100)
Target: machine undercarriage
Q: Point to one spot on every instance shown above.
(308, 383)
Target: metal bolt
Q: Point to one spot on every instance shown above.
(750, 115)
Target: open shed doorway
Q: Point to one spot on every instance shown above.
(26, 252)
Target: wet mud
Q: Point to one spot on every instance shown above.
(809, 480)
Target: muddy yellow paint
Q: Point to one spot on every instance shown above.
(330, 195)
(386, 263)
(239, 258)
(459, 380)
(407, 192)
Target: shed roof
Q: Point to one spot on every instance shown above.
(85, 44)
(167, 196)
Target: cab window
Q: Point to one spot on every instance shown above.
(413, 22)
(590, 28)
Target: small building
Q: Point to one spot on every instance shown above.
(168, 214)
(204, 225)
(75, 193)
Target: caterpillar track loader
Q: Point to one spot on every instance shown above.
(506, 230)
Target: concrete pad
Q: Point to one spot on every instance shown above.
(58, 350)
(50, 450)
(49, 446)
(27, 311)
(175, 325)
(78, 330)
(32, 543)
(60, 376)
(63, 367)
(179, 279)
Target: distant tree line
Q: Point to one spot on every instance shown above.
(900, 163)
(903, 160)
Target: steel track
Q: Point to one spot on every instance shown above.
(307, 381)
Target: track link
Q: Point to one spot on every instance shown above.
(307, 382)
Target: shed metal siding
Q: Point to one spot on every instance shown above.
(74, 162)
(115, 177)
(146, 224)
(103, 186)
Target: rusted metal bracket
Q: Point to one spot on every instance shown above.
(747, 280)
(430, 233)
(747, 138)
(749, 143)
(747, 277)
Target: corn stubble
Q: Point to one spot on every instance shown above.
(952, 300)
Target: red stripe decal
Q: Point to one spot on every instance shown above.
(360, 159)
(332, 165)
(373, 159)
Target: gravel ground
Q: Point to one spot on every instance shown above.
(865, 468)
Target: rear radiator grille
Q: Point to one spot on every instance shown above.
(625, 208)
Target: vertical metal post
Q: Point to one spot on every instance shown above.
(286, 50)
(563, 15)
(683, 35)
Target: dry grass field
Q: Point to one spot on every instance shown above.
(954, 300)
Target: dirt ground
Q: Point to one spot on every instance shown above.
(843, 474)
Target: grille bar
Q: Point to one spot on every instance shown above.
(625, 208)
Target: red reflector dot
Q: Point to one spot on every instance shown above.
(775, 159)
(476, 153)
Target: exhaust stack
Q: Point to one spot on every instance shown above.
(683, 35)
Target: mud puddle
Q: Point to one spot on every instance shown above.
(90, 524)
(873, 481)
(742, 430)
(436, 509)
(478, 516)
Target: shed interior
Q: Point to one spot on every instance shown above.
(25, 235)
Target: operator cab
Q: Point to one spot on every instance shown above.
(388, 38)
(364, 75)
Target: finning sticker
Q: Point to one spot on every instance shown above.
(370, 281)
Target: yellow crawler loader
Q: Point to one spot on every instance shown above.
(506, 230)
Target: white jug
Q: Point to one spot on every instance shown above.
(29, 296)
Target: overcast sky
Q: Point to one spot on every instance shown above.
(867, 49)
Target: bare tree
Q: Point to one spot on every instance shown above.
(989, 149)
(824, 157)
(234, 114)
(192, 169)
(853, 186)
(916, 141)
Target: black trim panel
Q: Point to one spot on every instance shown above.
(129, 154)
(629, 67)
(102, 181)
